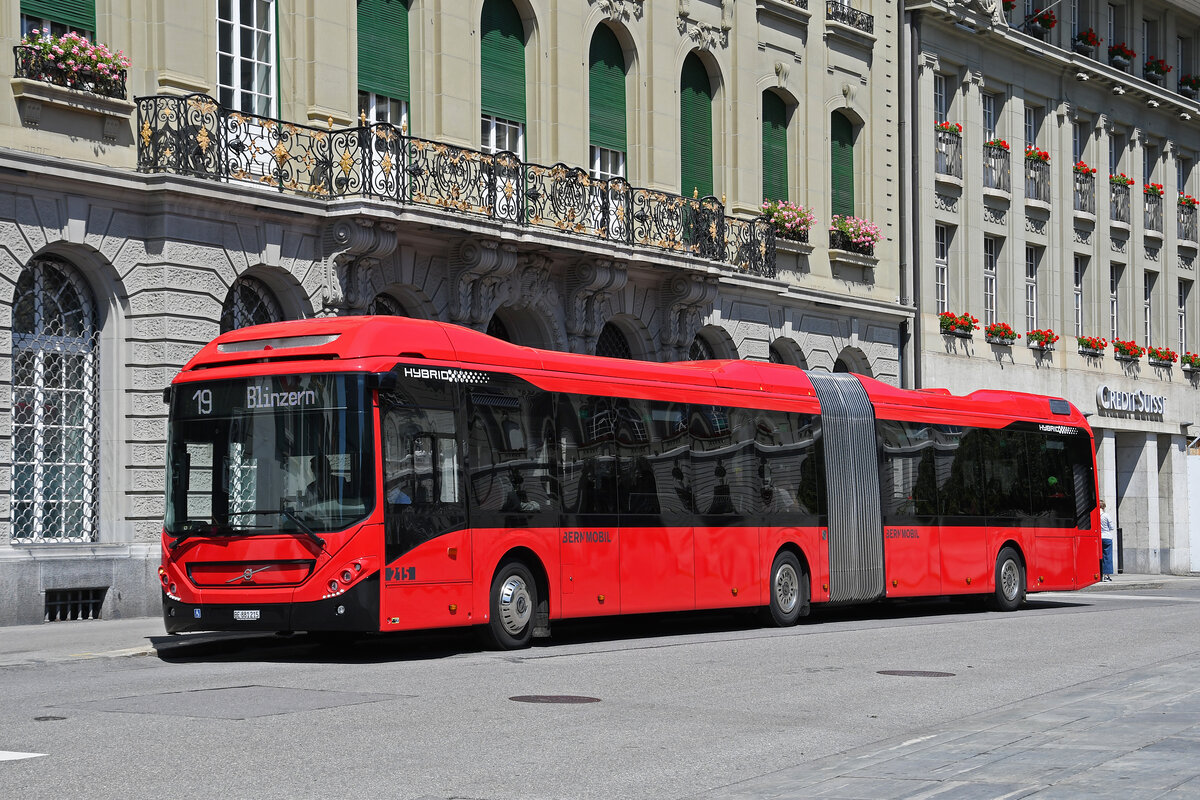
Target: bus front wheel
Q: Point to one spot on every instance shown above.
(513, 602)
(1010, 581)
(789, 590)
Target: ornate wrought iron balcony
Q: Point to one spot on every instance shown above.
(1154, 212)
(1119, 203)
(996, 174)
(948, 156)
(1085, 193)
(844, 13)
(1037, 180)
(194, 135)
(34, 66)
(1187, 223)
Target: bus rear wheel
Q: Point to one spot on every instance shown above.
(513, 603)
(789, 590)
(1010, 581)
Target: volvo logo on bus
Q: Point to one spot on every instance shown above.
(1137, 403)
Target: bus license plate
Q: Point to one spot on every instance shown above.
(246, 616)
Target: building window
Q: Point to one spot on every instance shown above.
(841, 165)
(386, 305)
(939, 97)
(700, 350)
(1183, 174)
(991, 253)
(1114, 297)
(607, 138)
(696, 133)
(989, 117)
(1033, 124)
(1032, 255)
(246, 55)
(941, 267)
(249, 302)
(1185, 288)
(502, 79)
(55, 406)
(1148, 306)
(59, 17)
(1077, 290)
(612, 343)
(774, 147)
(1079, 136)
(383, 79)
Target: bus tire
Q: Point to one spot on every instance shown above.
(789, 590)
(512, 606)
(1010, 581)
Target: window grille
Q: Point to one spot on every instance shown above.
(612, 343)
(55, 406)
(386, 305)
(68, 604)
(700, 350)
(249, 302)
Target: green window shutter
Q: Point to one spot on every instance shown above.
(774, 147)
(78, 14)
(696, 137)
(841, 164)
(606, 91)
(383, 47)
(502, 57)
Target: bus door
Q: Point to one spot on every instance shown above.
(724, 485)
(908, 496)
(1061, 494)
(590, 540)
(963, 497)
(658, 570)
(426, 543)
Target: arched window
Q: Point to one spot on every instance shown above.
(385, 304)
(383, 83)
(696, 129)
(612, 343)
(700, 350)
(498, 329)
(841, 164)
(249, 302)
(774, 147)
(502, 64)
(606, 105)
(55, 406)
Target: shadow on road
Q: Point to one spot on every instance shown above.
(433, 645)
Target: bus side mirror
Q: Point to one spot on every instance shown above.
(167, 392)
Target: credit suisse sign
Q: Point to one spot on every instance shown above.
(1114, 402)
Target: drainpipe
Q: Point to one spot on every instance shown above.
(910, 214)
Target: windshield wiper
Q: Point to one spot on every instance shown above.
(194, 527)
(284, 511)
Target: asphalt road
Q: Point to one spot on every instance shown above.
(664, 707)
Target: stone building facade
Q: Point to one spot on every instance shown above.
(250, 165)
(1063, 204)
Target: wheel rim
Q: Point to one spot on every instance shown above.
(515, 605)
(1009, 579)
(787, 588)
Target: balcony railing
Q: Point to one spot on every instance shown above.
(1187, 223)
(1037, 180)
(193, 135)
(1154, 215)
(33, 65)
(842, 12)
(949, 153)
(1118, 203)
(996, 174)
(1085, 193)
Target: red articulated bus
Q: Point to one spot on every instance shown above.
(386, 474)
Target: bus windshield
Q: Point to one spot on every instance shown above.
(287, 453)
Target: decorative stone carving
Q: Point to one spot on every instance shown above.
(928, 62)
(782, 71)
(480, 270)
(992, 9)
(1152, 253)
(1083, 236)
(621, 10)
(1118, 245)
(1187, 262)
(1033, 225)
(590, 291)
(705, 37)
(945, 202)
(686, 299)
(995, 216)
(352, 246)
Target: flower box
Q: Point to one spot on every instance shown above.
(1003, 341)
(1042, 346)
(1161, 363)
(960, 325)
(1120, 62)
(1126, 357)
(1091, 352)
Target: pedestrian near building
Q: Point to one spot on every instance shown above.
(1107, 529)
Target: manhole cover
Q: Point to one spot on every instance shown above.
(916, 673)
(48, 719)
(554, 698)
